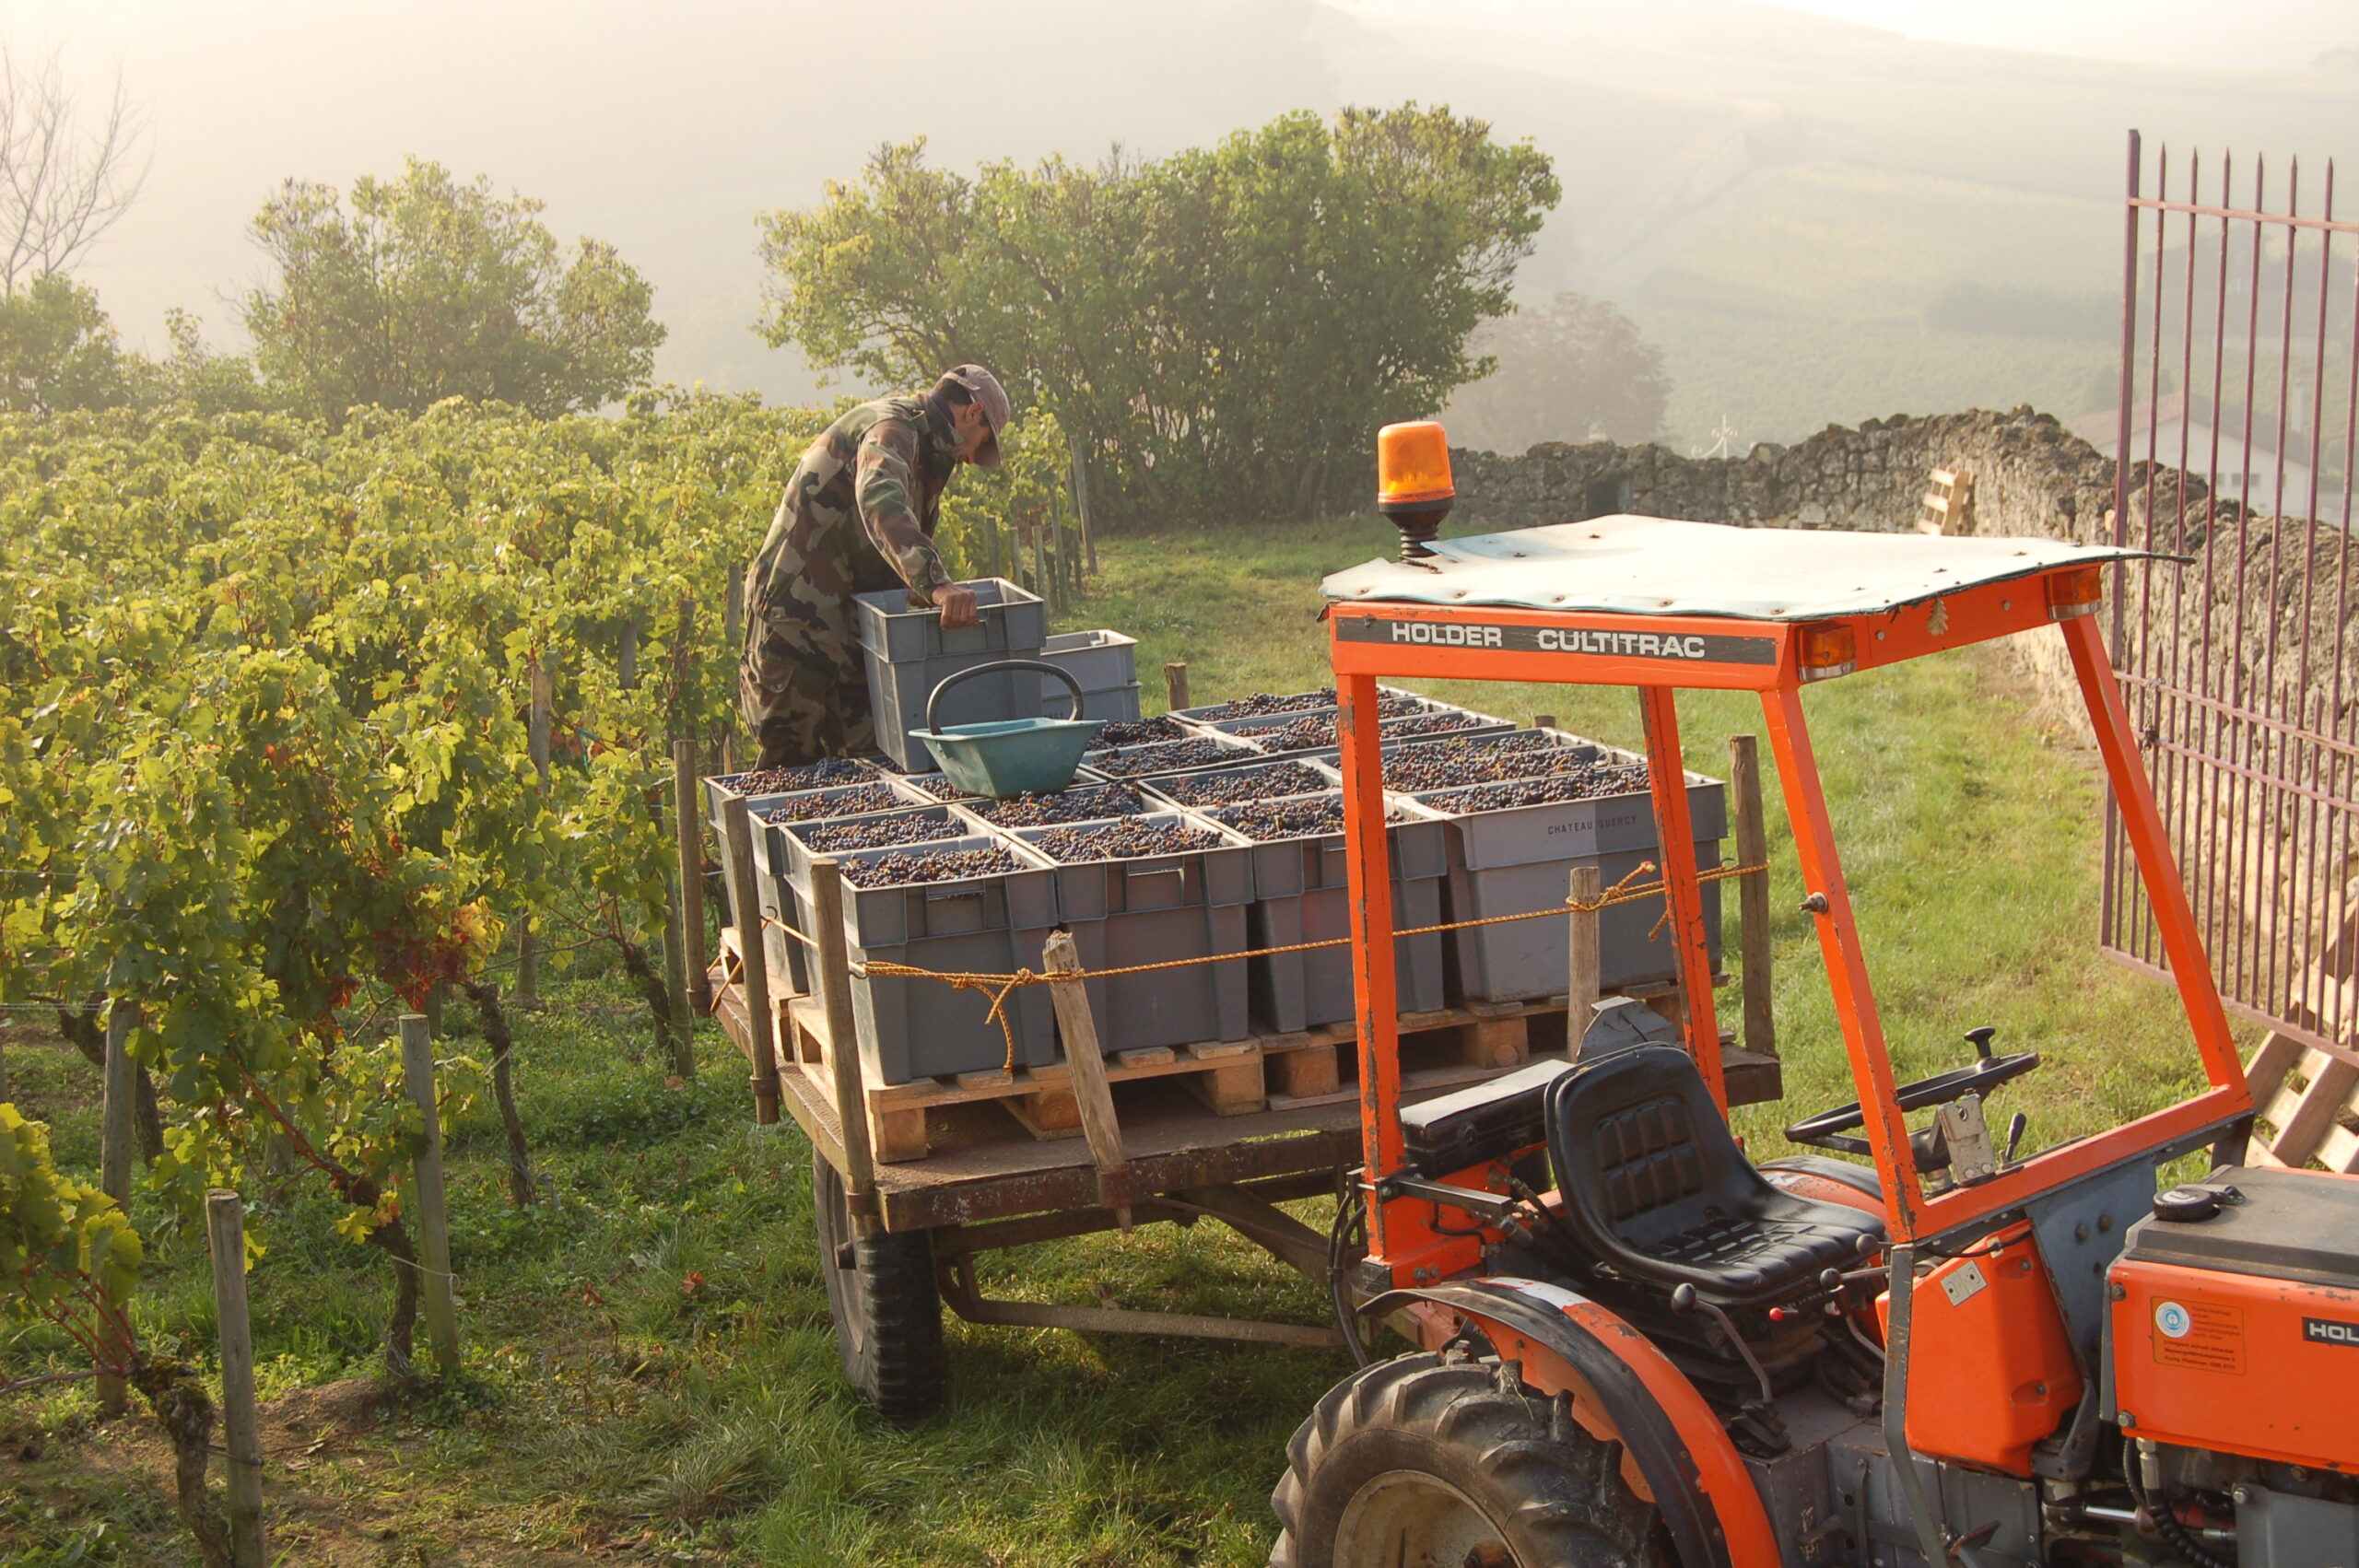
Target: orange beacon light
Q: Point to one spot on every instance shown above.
(1412, 482)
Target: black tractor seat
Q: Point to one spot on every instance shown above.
(1655, 1186)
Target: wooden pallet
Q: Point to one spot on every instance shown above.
(1228, 1077)
(1948, 507)
(2305, 1098)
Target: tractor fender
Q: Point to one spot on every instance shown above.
(1700, 1483)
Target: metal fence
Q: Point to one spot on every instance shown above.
(2240, 383)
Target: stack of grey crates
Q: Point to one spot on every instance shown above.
(908, 652)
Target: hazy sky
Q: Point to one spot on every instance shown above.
(2253, 34)
(666, 128)
(2237, 34)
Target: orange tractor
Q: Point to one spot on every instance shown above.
(1639, 1345)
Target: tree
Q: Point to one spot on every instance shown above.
(58, 350)
(1573, 369)
(61, 185)
(1224, 329)
(431, 288)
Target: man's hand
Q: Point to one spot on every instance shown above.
(957, 602)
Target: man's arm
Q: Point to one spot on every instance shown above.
(884, 479)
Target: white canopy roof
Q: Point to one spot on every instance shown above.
(1653, 566)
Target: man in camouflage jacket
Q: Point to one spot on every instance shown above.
(858, 517)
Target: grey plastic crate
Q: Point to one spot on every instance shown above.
(1191, 905)
(1101, 661)
(1517, 861)
(914, 1028)
(722, 787)
(786, 863)
(907, 653)
(1014, 625)
(1300, 896)
(1110, 703)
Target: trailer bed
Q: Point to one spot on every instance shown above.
(981, 1165)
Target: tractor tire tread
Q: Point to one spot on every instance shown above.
(1562, 1487)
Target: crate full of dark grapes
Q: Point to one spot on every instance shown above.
(908, 652)
(1402, 719)
(1144, 889)
(1512, 844)
(770, 815)
(1268, 705)
(788, 873)
(1186, 754)
(1299, 895)
(762, 786)
(976, 903)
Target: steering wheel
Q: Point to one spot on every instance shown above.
(1829, 1129)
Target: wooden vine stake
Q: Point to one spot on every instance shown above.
(1582, 956)
(225, 1224)
(1752, 895)
(115, 1146)
(734, 636)
(833, 963)
(753, 955)
(1081, 504)
(436, 1297)
(528, 947)
(689, 826)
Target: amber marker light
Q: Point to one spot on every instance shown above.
(1412, 482)
(2075, 593)
(1828, 648)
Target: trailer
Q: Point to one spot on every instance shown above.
(912, 1180)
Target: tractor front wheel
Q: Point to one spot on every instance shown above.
(887, 1307)
(1424, 1463)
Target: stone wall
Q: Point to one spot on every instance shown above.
(2263, 623)
(2027, 467)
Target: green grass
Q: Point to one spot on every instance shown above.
(653, 1376)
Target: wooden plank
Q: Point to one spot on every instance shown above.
(1585, 885)
(752, 957)
(2274, 1057)
(832, 968)
(1093, 1099)
(1307, 1072)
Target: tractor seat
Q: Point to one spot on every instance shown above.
(1654, 1185)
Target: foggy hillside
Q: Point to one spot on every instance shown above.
(1788, 204)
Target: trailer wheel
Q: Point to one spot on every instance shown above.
(887, 1307)
(1423, 1463)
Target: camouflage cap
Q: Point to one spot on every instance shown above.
(984, 388)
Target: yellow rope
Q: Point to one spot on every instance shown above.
(1620, 892)
(998, 988)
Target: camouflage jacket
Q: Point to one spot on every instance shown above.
(858, 517)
